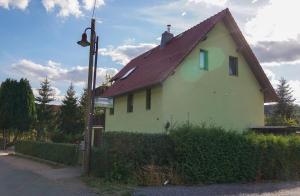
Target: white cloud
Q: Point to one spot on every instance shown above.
(124, 53)
(272, 77)
(281, 63)
(19, 4)
(89, 4)
(276, 21)
(183, 13)
(56, 72)
(210, 2)
(66, 7)
(71, 7)
(295, 85)
(59, 75)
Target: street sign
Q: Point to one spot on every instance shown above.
(104, 102)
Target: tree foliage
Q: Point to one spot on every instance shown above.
(70, 114)
(83, 108)
(285, 106)
(17, 108)
(46, 116)
(284, 112)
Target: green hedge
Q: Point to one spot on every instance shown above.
(199, 155)
(61, 153)
(277, 157)
(212, 155)
(122, 154)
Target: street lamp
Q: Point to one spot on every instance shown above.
(84, 42)
(92, 73)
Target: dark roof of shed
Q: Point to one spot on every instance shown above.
(155, 65)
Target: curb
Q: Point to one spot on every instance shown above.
(52, 163)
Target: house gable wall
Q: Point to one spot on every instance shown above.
(213, 97)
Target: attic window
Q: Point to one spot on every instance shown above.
(128, 73)
(233, 66)
(178, 36)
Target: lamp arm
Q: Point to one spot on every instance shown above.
(89, 28)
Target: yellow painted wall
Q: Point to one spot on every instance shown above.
(196, 95)
(213, 96)
(140, 120)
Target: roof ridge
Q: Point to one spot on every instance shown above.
(207, 19)
(224, 10)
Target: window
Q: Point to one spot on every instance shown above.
(130, 103)
(203, 59)
(112, 110)
(148, 99)
(233, 66)
(128, 73)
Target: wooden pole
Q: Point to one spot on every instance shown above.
(88, 131)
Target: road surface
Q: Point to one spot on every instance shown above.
(23, 177)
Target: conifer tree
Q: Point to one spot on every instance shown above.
(83, 109)
(285, 106)
(70, 115)
(46, 116)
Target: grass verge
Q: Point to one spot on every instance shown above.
(107, 188)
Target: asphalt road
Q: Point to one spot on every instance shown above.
(21, 177)
(260, 189)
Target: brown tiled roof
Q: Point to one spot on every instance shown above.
(155, 65)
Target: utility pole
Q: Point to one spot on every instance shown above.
(89, 120)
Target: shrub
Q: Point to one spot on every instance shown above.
(60, 137)
(193, 155)
(60, 153)
(213, 155)
(122, 154)
(278, 157)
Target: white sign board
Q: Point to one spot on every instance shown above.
(104, 102)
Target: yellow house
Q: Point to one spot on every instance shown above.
(207, 74)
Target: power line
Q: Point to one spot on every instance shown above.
(94, 8)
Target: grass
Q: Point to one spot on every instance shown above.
(106, 188)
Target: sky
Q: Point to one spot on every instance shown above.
(38, 37)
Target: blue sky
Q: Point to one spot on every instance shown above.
(38, 38)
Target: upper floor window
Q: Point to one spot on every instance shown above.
(148, 99)
(233, 66)
(112, 110)
(203, 59)
(130, 103)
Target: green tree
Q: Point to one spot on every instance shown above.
(83, 109)
(45, 113)
(284, 112)
(17, 108)
(70, 114)
(285, 106)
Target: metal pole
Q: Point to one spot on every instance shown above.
(87, 135)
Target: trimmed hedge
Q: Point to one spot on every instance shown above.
(122, 154)
(198, 155)
(277, 157)
(61, 153)
(213, 155)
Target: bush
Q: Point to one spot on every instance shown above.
(192, 155)
(60, 153)
(60, 137)
(122, 154)
(278, 157)
(213, 155)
